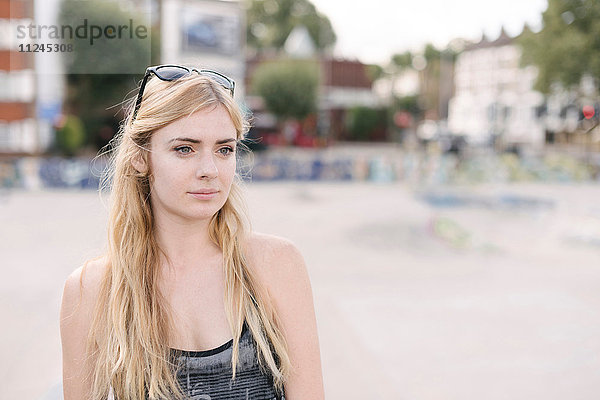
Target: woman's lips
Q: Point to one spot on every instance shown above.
(204, 195)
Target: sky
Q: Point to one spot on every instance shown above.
(372, 30)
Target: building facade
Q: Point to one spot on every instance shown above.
(207, 34)
(18, 127)
(494, 99)
(345, 84)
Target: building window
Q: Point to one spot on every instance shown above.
(19, 86)
(4, 94)
(4, 136)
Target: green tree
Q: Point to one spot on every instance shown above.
(288, 87)
(362, 121)
(375, 71)
(121, 42)
(94, 90)
(402, 60)
(408, 103)
(269, 22)
(568, 45)
(71, 136)
(431, 53)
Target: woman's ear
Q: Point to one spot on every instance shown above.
(140, 164)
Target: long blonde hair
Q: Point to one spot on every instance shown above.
(128, 338)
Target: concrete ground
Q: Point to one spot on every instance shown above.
(493, 300)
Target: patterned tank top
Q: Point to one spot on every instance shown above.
(206, 375)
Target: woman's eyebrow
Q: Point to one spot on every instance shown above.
(183, 139)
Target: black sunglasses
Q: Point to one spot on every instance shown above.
(169, 72)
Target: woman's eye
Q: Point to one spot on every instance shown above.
(180, 149)
(187, 150)
(228, 151)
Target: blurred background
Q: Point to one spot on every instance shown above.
(437, 163)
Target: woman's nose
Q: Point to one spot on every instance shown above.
(207, 167)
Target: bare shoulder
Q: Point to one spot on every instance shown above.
(80, 293)
(274, 257)
(266, 243)
(76, 314)
(82, 285)
(282, 269)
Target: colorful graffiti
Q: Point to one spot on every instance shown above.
(337, 165)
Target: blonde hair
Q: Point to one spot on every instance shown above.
(129, 333)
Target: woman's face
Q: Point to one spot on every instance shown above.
(190, 156)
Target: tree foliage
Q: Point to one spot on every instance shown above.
(288, 88)
(431, 53)
(568, 46)
(375, 71)
(408, 103)
(269, 22)
(99, 75)
(116, 48)
(402, 60)
(71, 136)
(362, 121)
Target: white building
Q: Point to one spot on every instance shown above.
(494, 97)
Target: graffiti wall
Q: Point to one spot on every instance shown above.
(313, 165)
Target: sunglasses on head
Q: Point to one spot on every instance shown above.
(169, 72)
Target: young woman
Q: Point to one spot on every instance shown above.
(187, 302)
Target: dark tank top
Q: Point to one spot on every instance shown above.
(206, 375)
